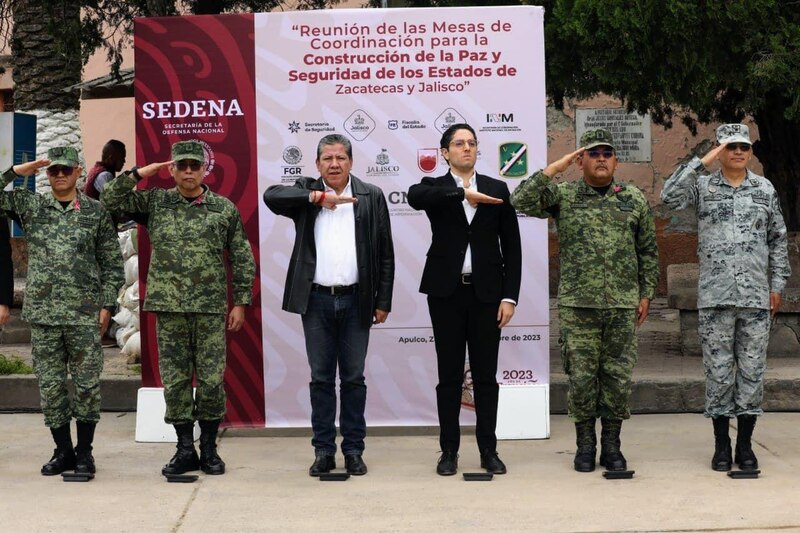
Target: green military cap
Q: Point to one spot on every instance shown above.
(66, 156)
(598, 137)
(188, 150)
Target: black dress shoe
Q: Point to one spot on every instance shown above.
(322, 465)
(62, 460)
(492, 463)
(448, 463)
(355, 465)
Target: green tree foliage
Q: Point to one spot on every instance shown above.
(686, 60)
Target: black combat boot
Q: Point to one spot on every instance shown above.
(745, 457)
(63, 456)
(610, 454)
(586, 439)
(210, 462)
(185, 458)
(721, 462)
(84, 462)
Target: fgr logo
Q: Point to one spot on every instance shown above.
(292, 155)
(499, 117)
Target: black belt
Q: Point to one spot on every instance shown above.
(466, 279)
(336, 290)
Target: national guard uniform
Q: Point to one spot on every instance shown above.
(609, 262)
(742, 247)
(187, 289)
(74, 270)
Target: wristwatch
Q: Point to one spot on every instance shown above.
(135, 173)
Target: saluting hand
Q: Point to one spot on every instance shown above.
(30, 168)
(559, 166)
(474, 198)
(331, 199)
(152, 169)
(712, 154)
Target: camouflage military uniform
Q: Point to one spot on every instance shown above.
(743, 254)
(609, 261)
(187, 288)
(74, 270)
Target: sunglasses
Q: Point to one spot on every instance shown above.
(742, 147)
(60, 169)
(193, 165)
(594, 154)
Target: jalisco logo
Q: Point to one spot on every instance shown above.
(427, 159)
(359, 125)
(191, 108)
(448, 117)
(513, 160)
(383, 166)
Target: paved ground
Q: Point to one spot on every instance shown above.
(267, 487)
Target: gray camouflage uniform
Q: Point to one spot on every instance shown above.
(743, 257)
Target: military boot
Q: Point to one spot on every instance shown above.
(745, 457)
(721, 462)
(586, 439)
(610, 454)
(210, 462)
(84, 462)
(185, 458)
(63, 456)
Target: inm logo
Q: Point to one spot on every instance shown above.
(397, 197)
(499, 117)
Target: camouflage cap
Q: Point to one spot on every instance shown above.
(733, 133)
(66, 156)
(598, 137)
(188, 150)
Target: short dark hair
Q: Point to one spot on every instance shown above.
(448, 134)
(335, 138)
(113, 146)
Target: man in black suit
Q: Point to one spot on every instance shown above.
(340, 280)
(472, 277)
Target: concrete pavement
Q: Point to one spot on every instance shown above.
(267, 487)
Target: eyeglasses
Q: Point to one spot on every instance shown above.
(461, 143)
(60, 169)
(594, 154)
(193, 165)
(742, 147)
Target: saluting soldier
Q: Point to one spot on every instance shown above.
(74, 274)
(744, 265)
(190, 229)
(609, 273)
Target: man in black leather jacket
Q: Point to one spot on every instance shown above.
(340, 280)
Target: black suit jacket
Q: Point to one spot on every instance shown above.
(374, 247)
(493, 238)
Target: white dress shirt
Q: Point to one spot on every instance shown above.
(335, 240)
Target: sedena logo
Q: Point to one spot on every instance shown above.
(191, 108)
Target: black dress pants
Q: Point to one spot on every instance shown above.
(460, 321)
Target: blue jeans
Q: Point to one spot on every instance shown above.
(334, 335)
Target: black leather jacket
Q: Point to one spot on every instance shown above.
(374, 248)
